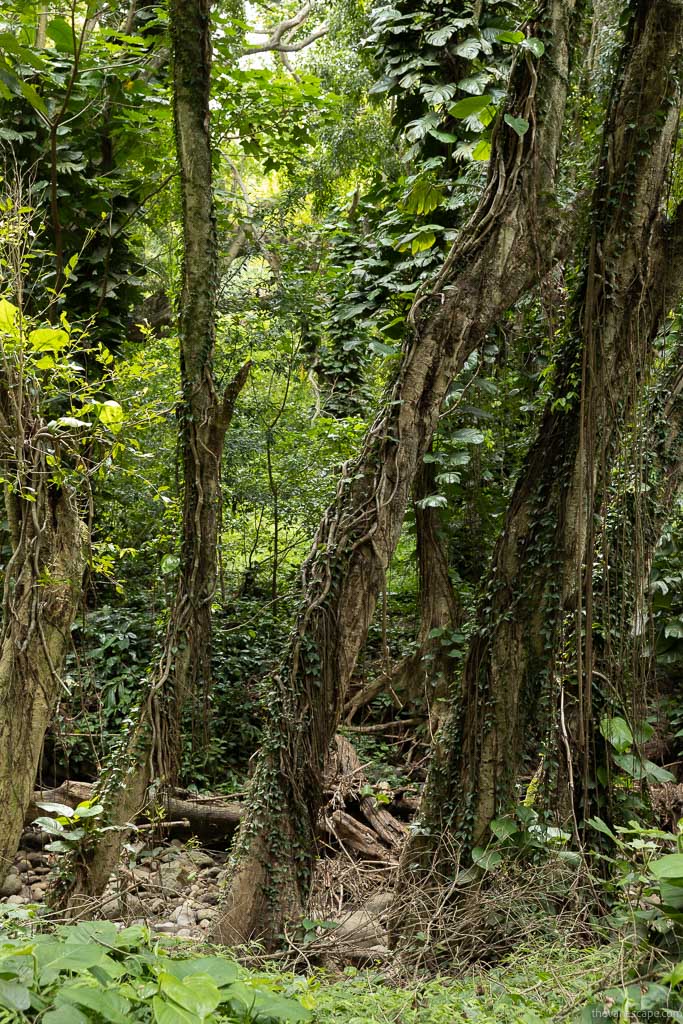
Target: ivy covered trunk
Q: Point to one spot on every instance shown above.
(493, 262)
(42, 590)
(542, 563)
(183, 677)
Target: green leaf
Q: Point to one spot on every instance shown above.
(536, 46)
(599, 825)
(520, 125)
(433, 501)
(197, 993)
(486, 859)
(106, 1002)
(14, 996)
(64, 1015)
(503, 828)
(169, 1013)
(169, 563)
(8, 316)
(61, 34)
(111, 414)
(482, 151)
(469, 49)
(674, 629)
(617, 731)
(668, 868)
(469, 106)
(468, 435)
(29, 92)
(88, 810)
(505, 36)
(50, 826)
(62, 809)
(222, 971)
(48, 339)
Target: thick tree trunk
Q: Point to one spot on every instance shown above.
(152, 753)
(492, 264)
(42, 589)
(633, 277)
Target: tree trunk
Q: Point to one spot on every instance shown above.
(633, 277)
(153, 750)
(494, 261)
(42, 589)
(423, 676)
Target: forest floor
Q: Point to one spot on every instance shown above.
(345, 974)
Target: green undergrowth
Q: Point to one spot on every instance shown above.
(94, 973)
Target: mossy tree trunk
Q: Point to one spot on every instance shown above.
(183, 677)
(494, 261)
(41, 592)
(633, 277)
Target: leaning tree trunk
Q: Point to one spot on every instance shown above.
(634, 276)
(494, 261)
(422, 677)
(42, 589)
(152, 752)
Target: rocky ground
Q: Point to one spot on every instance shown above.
(175, 889)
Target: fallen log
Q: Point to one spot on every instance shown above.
(352, 834)
(211, 820)
(351, 782)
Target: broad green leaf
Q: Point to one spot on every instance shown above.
(61, 34)
(14, 996)
(62, 809)
(169, 563)
(169, 1013)
(64, 1015)
(89, 811)
(222, 971)
(470, 105)
(111, 414)
(53, 828)
(8, 316)
(536, 46)
(482, 151)
(469, 49)
(31, 94)
(520, 125)
(114, 1008)
(505, 36)
(468, 435)
(48, 339)
(668, 868)
(197, 993)
(486, 859)
(617, 731)
(503, 828)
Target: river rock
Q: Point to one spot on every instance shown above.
(12, 885)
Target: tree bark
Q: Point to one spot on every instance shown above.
(494, 261)
(634, 276)
(183, 676)
(42, 589)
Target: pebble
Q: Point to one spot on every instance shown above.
(16, 900)
(35, 858)
(23, 866)
(165, 927)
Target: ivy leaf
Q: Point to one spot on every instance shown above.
(469, 106)
(520, 125)
(482, 151)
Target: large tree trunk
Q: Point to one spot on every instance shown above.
(43, 585)
(494, 261)
(633, 277)
(153, 749)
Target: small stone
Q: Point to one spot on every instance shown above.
(38, 892)
(36, 858)
(210, 898)
(205, 924)
(23, 865)
(213, 872)
(165, 927)
(12, 886)
(199, 858)
(16, 900)
(204, 915)
(186, 933)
